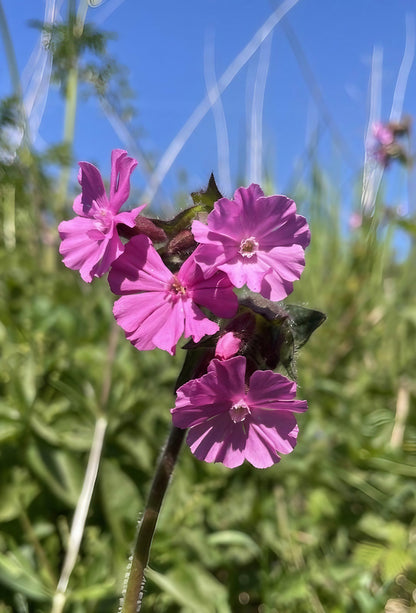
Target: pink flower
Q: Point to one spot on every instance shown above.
(227, 346)
(255, 240)
(157, 306)
(90, 242)
(382, 141)
(355, 221)
(382, 133)
(230, 422)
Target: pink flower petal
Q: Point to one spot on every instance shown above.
(128, 218)
(121, 168)
(197, 324)
(219, 442)
(140, 269)
(270, 390)
(93, 189)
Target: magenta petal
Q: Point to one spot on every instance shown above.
(93, 189)
(278, 436)
(221, 441)
(79, 251)
(139, 269)
(164, 327)
(128, 218)
(132, 310)
(222, 385)
(259, 450)
(114, 248)
(229, 377)
(147, 321)
(197, 324)
(246, 195)
(121, 168)
(216, 293)
(270, 390)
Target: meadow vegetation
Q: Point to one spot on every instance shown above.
(329, 529)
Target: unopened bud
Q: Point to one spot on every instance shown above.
(182, 242)
(143, 225)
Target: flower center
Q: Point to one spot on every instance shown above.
(102, 219)
(248, 247)
(239, 411)
(176, 289)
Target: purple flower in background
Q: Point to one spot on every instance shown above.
(256, 240)
(382, 133)
(383, 140)
(231, 422)
(156, 306)
(90, 242)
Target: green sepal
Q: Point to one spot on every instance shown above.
(203, 204)
(303, 322)
(182, 221)
(280, 331)
(209, 196)
(295, 332)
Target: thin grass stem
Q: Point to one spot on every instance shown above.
(204, 106)
(223, 149)
(404, 70)
(80, 515)
(255, 152)
(84, 501)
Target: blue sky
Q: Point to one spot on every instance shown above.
(163, 45)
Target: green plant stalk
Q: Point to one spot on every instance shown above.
(10, 54)
(69, 129)
(132, 599)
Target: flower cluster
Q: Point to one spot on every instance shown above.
(178, 278)
(386, 145)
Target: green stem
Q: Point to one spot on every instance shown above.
(13, 67)
(10, 54)
(132, 600)
(194, 366)
(69, 128)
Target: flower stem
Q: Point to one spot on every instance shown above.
(194, 365)
(131, 602)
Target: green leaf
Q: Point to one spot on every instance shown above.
(17, 493)
(191, 586)
(234, 538)
(58, 469)
(93, 592)
(17, 573)
(126, 504)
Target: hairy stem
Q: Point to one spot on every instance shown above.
(194, 365)
(133, 595)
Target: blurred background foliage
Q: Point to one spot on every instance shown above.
(330, 529)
